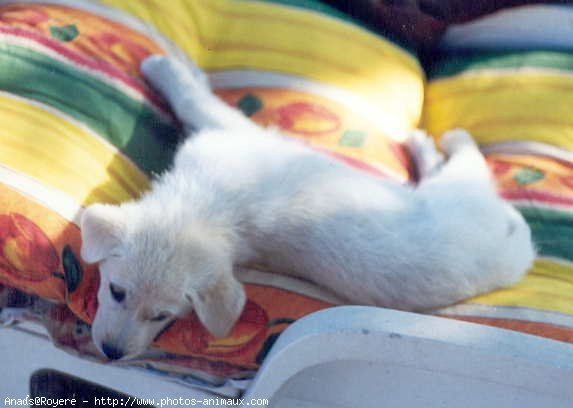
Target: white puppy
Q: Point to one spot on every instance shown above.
(239, 194)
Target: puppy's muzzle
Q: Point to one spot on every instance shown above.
(112, 352)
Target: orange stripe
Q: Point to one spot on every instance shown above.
(536, 328)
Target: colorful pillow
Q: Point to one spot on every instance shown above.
(79, 125)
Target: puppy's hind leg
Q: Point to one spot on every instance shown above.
(187, 90)
(465, 161)
(427, 159)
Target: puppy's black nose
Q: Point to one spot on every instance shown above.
(112, 352)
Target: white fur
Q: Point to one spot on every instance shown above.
(239, 194)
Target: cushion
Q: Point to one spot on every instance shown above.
(80, 125)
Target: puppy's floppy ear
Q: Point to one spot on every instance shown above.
(220, 304)
(101, 227)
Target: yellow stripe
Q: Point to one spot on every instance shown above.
(58, 153)
(548, 286)
(226, 34)
(500, 107)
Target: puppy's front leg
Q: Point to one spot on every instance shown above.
(187, 90)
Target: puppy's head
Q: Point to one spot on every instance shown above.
(153, 271)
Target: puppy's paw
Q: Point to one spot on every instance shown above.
(155, 68)
(198, 74)
(456, 139)
(169, 75)
(426, 156)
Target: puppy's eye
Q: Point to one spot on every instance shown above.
(160, 317)
(117, 293)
